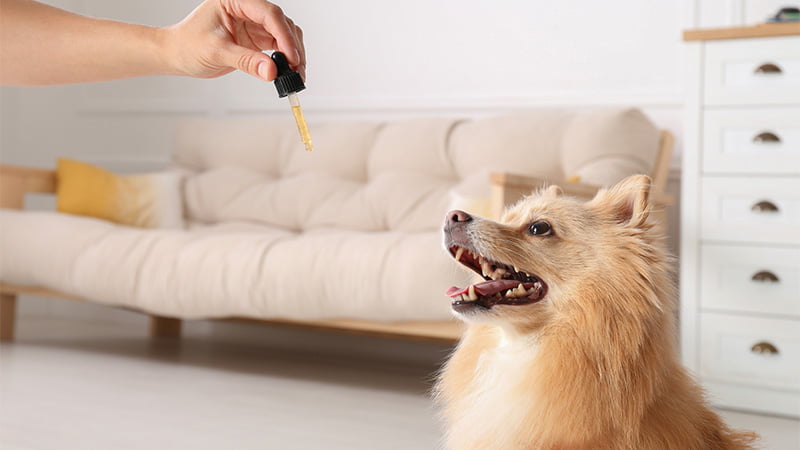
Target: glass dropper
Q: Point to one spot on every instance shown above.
(288, 83)
(302, 126)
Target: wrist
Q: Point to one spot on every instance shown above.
(167, 59)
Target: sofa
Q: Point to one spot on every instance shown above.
(344, 237)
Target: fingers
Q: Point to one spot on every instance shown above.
(260, 39)
(270, 16)
(253, 62)
(301, 48)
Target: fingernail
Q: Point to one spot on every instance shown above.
(262, 70)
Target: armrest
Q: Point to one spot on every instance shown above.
(512, 180)
(507, 188)
(16, 181)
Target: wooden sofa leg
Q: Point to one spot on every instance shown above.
(8, 316)
(165, 327)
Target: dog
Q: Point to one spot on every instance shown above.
(571, 337)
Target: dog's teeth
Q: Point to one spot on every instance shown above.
(472, 294)
(520, 291)
(459, 252)
(516, 269)
(509, 293)
(498, 273)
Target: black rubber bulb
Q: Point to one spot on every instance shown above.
(288, 81)
(281, 63)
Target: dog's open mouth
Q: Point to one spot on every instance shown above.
(504, 285)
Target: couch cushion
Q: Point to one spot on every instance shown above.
(395, 176)
(528, 142)
(603, 147)
(231, 269)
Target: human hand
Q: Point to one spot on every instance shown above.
(220, 36)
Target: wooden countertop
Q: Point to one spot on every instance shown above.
(755, 31)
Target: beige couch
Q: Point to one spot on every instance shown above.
(346, 236)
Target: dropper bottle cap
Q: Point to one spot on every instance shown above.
(287, 81)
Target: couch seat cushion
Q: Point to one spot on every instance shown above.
(231, 269)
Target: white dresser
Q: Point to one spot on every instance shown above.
(740, 217)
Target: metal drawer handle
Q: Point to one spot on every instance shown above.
(765, 276)
(764, 347)
(764, 206)
(768, 69)
(766, 137)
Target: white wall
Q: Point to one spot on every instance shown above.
(380, 59)
(373, 59)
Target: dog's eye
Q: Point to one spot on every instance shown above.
(540, 228)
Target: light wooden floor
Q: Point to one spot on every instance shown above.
(73, 384)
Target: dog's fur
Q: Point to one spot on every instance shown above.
(593, 365)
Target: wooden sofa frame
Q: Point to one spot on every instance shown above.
(507, 188)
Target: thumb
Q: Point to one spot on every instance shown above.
(253, 62)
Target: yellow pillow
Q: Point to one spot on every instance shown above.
(147, 200)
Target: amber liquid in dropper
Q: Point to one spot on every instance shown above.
(302, 127)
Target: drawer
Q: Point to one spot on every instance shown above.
(750, 209)
(752, 140)
(750, 279)
(753, 398)
(753, 72)
(749, 350)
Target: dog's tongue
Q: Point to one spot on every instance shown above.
(487, 288)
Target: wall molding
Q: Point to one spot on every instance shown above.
(141, 106)
(124, 163)
(331, 104)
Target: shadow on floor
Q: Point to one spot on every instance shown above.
(346, 360)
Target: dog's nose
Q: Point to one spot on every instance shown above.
(457, 216)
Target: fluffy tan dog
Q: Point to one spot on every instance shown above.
(571, 340)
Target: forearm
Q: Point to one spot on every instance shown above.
(43, 45)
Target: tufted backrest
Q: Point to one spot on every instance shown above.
(397, 175)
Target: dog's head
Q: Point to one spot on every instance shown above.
(552, 256)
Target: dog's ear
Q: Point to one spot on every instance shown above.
(628, 202)
(555, 190)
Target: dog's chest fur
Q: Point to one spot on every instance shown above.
(497, 398)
